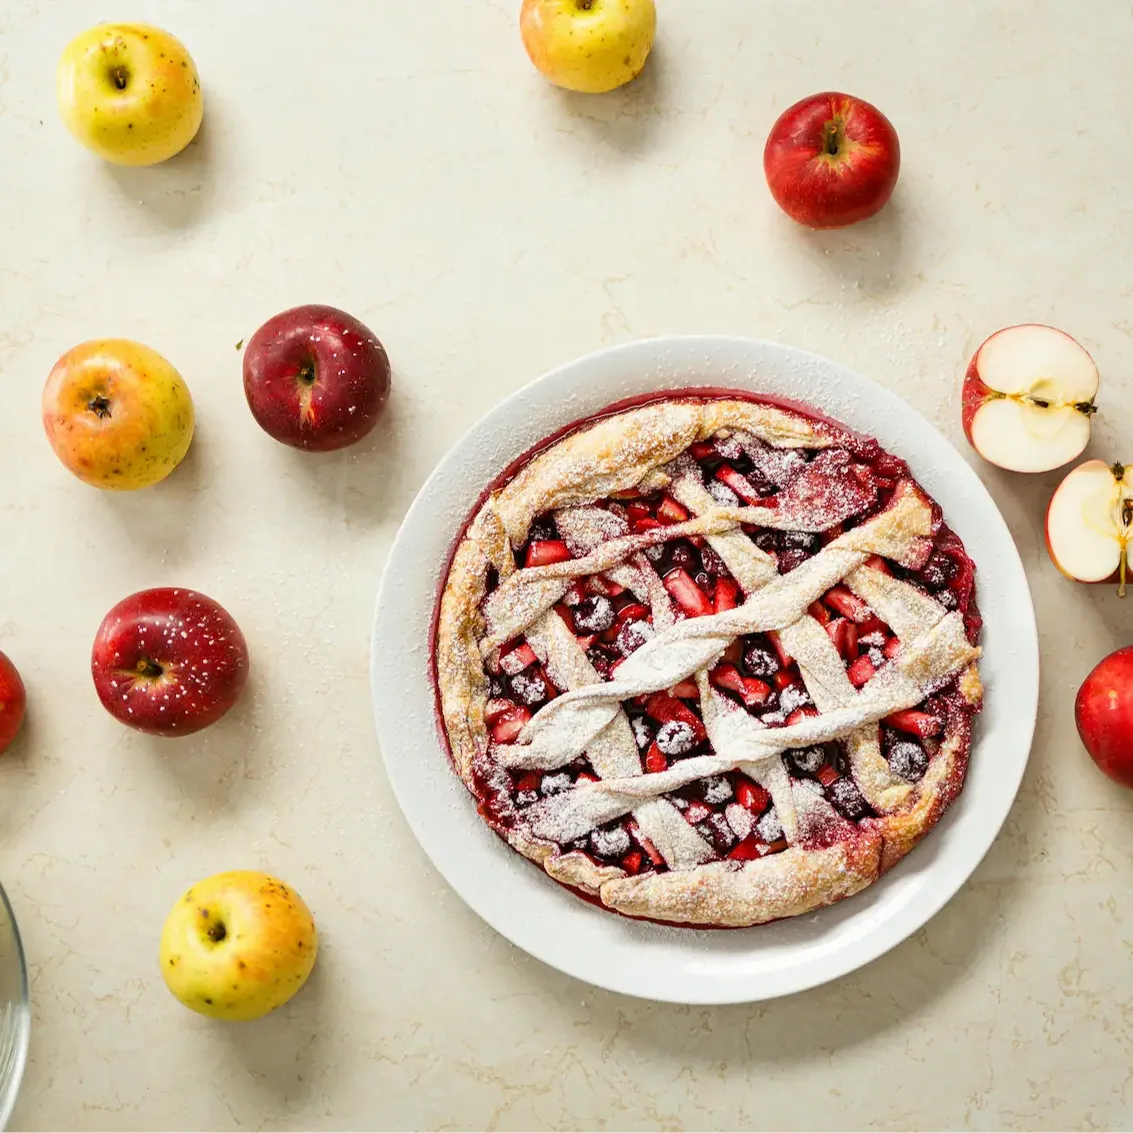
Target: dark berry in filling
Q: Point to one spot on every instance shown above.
(846, 797)
(909, 760)
(594, 614)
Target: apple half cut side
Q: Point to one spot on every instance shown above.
(1028, 398)
(1088, 523)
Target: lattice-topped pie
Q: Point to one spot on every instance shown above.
(710, 660)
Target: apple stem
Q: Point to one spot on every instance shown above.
(1121, 571)
(833, 132)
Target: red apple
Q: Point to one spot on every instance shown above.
(831, 160)
(316, 378)
(13, 702)
(169, 661)
(1028, 398)
(1103, 711)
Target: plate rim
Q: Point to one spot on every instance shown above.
(868, 949)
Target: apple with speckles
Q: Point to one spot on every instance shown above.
(169, 661)
(117, 414)
(316, 378)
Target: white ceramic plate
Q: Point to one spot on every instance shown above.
(639, 958)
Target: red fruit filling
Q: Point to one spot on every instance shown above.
(833, 490)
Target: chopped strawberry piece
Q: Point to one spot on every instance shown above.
(599, 584)
(820, 613)
(552, 691)
(726, 595)
(543, 552)
(702, 450)
(747, 850)
(634, 612)
(734, 652)
(697, 811)
(844, 634)
(826, 774)
(654, 853)
(891, 648)
(784, 679)
(917, 723)
(872, 624)
(518, 658)
(876, 562)
(495, 708)
(752, 691)
(860, 671)
(639, 509)
(530, 781)
(564, 612)
(670, 511)
(739, 484)
(785, 659)
(689, 596)
(631, 863)
(663, 708)
(646, 523)
(775, 847)
(586, 777)
(800, 714)
(841, 600)
(751, 795)
(686, 689)
(655, 760)
(509, 724)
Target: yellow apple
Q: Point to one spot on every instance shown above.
(130, 93)
(238, 945)
(117, 414)
(588, 45)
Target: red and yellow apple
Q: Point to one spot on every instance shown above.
(1103, 712)
(238, 945)
(1028, 398)
(130, 93)
(591, 46)
(13, 703)
(117, 414)
(169, 661)
(316, 378)
(831, 160)
(1088, 523)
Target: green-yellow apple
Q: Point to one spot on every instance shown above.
(588, 45)
(117, 414)
(238, 945)
(130, 93)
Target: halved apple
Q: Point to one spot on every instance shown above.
(1028, 398)
(1088, 523)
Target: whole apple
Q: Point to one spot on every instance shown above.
(117, 414)
(13, 703)
(238, 945)
(591, 46)
(130, 93)
(316, 378)
(831, 160)
(169, 661)
(1103, 711)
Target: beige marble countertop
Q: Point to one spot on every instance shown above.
(403, 161)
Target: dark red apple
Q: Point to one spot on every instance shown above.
(1103, 711)
(169, 661)
(13, 702)
(831, 160)
(316, 378)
